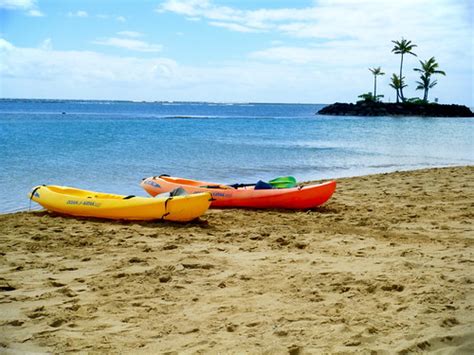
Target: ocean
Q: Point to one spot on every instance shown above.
(110, 146)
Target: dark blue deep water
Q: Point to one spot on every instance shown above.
(110, 146)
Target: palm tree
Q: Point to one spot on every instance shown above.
(428, 68)
(398, 84)
(403, 47)
(425, 84)
(376, 71)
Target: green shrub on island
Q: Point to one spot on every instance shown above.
(369, 97)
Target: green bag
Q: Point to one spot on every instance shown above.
(283, 182)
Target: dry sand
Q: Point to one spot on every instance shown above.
(386, 266)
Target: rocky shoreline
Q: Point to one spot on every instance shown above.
(368, 108)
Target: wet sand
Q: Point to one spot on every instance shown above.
(385, 266)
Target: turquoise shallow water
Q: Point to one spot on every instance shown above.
(110, 146)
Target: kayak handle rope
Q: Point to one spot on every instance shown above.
(214, 187)
(166, 202)
(166, 206)
(32, 194)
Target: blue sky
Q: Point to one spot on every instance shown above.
(229, 51)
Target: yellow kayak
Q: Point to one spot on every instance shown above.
(77, 202)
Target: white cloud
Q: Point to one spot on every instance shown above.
(188, 8)
(17, 4)
(5, 45)
(351, 35)
(130, 44)
(83, 14)
(232, 26)
(37, 72)
(78, 13)
(131, 34)
(325, 55)
(45, 63)
(330, 19)
(232, 18)
(279, 74)
(35, 13)
(47, 44)
(29, 6)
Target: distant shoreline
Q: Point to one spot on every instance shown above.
(370, 108)
(174, 102)
(170, 102)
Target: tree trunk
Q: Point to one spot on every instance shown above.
(398, 95)
(401, 89)
(375, 87)
(425, 96)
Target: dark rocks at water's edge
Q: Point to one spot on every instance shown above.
(368, 108)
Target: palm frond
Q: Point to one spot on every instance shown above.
(396, 82)
(404, 47)
(433, 83)
(429, 67)
(377, 71)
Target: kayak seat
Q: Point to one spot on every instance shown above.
(262, 185)
(179, 191)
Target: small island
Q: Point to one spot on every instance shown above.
(370, 104)
(372, 108)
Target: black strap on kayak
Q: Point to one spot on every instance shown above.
(166, 202)
(34, 190)
(236, 186)
(166, 206)
(129, 197)
(212, 187)
(32, 194)
(163, 175)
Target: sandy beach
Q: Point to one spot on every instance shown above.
(385, 266)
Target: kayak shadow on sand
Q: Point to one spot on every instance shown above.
(198, 222)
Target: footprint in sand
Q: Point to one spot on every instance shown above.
(394, 287)
(449, 322)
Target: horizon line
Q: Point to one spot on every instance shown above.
(164, 101)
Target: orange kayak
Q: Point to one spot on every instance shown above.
(301, 197)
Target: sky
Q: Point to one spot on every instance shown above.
(230, 51)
